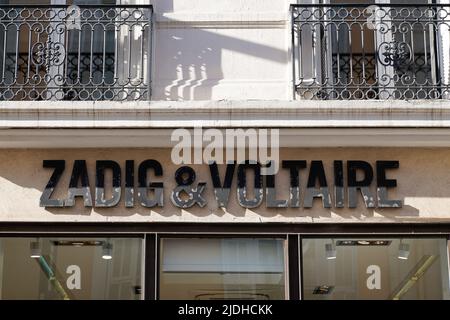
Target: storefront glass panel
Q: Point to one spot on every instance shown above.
(70, 268)
(226, 268)
(396, 269)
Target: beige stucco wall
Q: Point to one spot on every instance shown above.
(423, 184)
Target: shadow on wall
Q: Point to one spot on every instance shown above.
(189, 59)
(194, 71)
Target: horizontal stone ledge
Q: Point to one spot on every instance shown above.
(224, 113)
(161, 138)
(139, 223)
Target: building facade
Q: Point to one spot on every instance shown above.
(350, 98)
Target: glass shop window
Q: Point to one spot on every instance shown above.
(215, 269)
(394, 269)
(70, 268)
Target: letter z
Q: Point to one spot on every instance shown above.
(45, 200)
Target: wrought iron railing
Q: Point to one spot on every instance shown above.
(75, 52)
(383, 51)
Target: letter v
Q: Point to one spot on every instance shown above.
(222, 192)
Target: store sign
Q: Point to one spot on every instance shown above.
(359, 178)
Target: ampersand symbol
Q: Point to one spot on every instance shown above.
(185, 177)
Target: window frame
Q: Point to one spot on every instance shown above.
(231, 235)
(293, 233)
(69, 235)
(411, 235)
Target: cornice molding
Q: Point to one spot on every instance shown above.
(225, 114)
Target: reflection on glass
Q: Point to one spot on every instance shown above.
(70, 268)
(204, 269)
(393, 269)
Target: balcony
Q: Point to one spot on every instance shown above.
(382, 51)
(84, 52)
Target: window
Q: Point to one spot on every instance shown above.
(342, 268)
(371, 50)
(74, 50)
(229, 268)
(70, 268)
